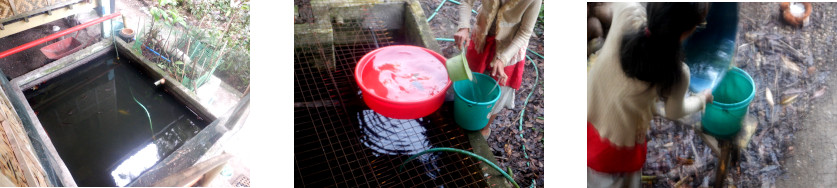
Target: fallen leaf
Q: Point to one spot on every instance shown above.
(539, 121)
(811, 70)
(792, 91)
(768, 96)
(668, 144)
(683, 182)
(684, 161)
(789, 99)
(790, 65)
(819, 92)
(508, 150)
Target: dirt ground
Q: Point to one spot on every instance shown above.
(794, 144)
(505, 140)
(813, 162)
(32, 58)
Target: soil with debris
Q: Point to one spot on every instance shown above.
(505, 140)
(794, 64)
(30, 59)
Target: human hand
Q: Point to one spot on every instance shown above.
(708, 94)
(499, 71)
(462, 37)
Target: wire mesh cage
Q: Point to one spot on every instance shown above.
(187, 53)
(338, 140)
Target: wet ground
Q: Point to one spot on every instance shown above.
(794, 144)
(505, 140)
(96, 117)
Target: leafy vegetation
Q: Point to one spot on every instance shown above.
(217, 25)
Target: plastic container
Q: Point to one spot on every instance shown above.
(402, 82)
(458, 68)
(471, 107)
(710, 50)
(731, 102)
(62, 48)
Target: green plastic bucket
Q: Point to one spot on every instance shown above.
(471, 108)
(731, 101)
(458, 68)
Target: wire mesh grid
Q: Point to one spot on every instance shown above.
(338, 141)
(187, 53)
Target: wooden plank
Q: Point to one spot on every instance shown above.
(34, 21)
(17, 13)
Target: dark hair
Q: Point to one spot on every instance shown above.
(653, 54)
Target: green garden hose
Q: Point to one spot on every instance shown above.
(508, 177)
(536, 53)
(151, 126)
(458, 3)
(437, 10)
(440, 6)
(520, 119)
(451, 40)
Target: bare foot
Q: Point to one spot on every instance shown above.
(486, 131)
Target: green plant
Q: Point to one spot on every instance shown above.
(167, 2)
(169, 16)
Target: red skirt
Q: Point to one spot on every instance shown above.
(602, 156)
(479, 62)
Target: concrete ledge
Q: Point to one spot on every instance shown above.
(494, 178)
(54, 166)
(59, 66)
(420, 33)
(176, 88)
(203, 145)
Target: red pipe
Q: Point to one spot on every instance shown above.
(56, 35)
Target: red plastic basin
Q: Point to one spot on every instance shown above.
(61, 48)
(402, 82)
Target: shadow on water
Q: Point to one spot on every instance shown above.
(100, 132)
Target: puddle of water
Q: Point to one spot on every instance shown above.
(394, 137)
(100, 132)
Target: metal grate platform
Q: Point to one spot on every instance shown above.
(340, 142)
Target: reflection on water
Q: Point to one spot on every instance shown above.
(135, 165)
(97, 128)
(405, 74)
(393, 137)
